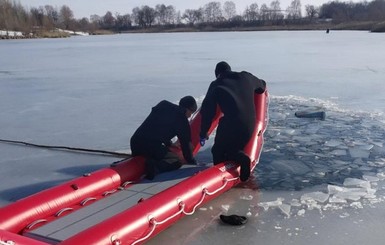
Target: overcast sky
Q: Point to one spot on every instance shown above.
(85, 8)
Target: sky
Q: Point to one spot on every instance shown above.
(85, 8)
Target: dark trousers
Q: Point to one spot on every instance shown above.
(156, 152)
(229, 142)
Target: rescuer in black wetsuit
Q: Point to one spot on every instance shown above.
(153, 137)
(234, 93)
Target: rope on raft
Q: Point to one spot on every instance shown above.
(103, 152)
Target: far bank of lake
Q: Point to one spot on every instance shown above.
(371, 26)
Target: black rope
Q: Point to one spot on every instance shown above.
(113, 153)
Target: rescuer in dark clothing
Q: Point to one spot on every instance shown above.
(234, 93)
(153, 137)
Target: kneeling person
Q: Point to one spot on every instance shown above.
(153, 138)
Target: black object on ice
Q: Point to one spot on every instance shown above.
(315, 114)
(233, 219)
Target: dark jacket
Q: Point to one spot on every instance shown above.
(165, 121)
(234, 93)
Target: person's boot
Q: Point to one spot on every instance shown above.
(244, 161)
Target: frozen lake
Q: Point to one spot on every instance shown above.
(318, 182)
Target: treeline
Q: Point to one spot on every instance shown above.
(13, 16)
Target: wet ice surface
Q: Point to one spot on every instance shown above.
(317, 182)
(343, 157)
(300, 153)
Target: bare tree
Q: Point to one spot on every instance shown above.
(123, 22)
(275, 10)
(212, 12)
(294, 10)
(264, 12)
(171, 15)
(149, 15)
(144, 16)
(229, 10)
(5, 15)
(108, 20)
(251, 13)
(52, 14)
(376, 10)
(37, 16)
(66, 17)
(311, 11)
(178, 17)
(165, 15)
(161, 13)
(137, 16)
(95, 18)
(193, 16)
(84, 24)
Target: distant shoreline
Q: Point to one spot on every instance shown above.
(369, 26)
(357, 26)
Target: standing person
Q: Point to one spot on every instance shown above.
(233, 92)
(153, 137)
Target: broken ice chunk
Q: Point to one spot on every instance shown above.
(295, 203)
(356, 182)
(332, 143)
(366, 147)
(355, 194)
(288, 131)
(248, 198)
(285, 209)
(381, 175)
(334, 199)
(370, 178)
(301, 212)
(356, 205)
(356, 152)
(352, 196)
(317, 196)
(338, 152)
(267, 205)
(333, 189)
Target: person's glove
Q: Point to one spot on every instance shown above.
(202, 140)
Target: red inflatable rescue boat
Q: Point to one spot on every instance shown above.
(116, 205)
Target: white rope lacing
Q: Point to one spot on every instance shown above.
(7, 243)
(154, 223)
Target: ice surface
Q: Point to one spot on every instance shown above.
(102, 107)
(358, 152)
(290, 166)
